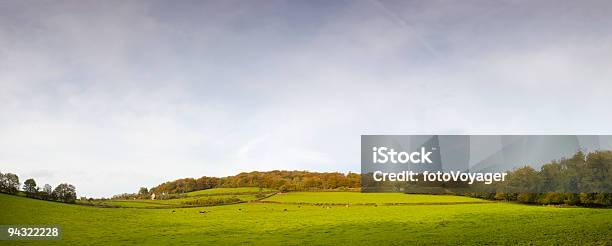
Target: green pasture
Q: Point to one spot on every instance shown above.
(177, 202)
(244, 194)
(358, 198)
(292, 224)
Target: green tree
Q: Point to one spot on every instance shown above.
(2, 182)
(143, 193)
(65, 193)
(551, 177)
(47, 191)
(573, 172)
(10, 183)
(29, 187)
(523, 180)
(596, 172)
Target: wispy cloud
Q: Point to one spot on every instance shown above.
(112, 96)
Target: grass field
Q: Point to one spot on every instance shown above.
(358, 198)
(245, 194)
(279, 223)
(170, 203)
(178, 202)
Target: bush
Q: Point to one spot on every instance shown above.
(500, 196)
(210, 201)
(604, 199)
(587, 199)
(527, 197)
(283, 188)
(572, 199)
(551, 198)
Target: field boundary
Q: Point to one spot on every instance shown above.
(172, 206)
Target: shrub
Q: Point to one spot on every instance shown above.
(210, 201)
(587, 199)
(551, 198)
(500, 196)
(604, 199)
(571, 199)
(527, 197)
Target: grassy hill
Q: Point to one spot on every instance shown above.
(286, 223)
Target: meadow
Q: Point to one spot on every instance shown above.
(358, 198)
(286, 223)
(242, 194)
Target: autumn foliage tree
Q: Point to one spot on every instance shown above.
(279, 180)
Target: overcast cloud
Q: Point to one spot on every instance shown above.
(114, 95)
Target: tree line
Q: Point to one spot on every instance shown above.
(9, 184)
(583, 179)
(278, 180)
(143, 193)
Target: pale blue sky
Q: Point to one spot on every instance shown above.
(113, 95)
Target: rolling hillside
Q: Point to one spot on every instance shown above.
(287, 223)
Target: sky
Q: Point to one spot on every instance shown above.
(114, 95)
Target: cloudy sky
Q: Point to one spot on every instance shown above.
(114, 95)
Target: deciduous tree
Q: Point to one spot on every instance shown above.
(29, 187)
(65, 193)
